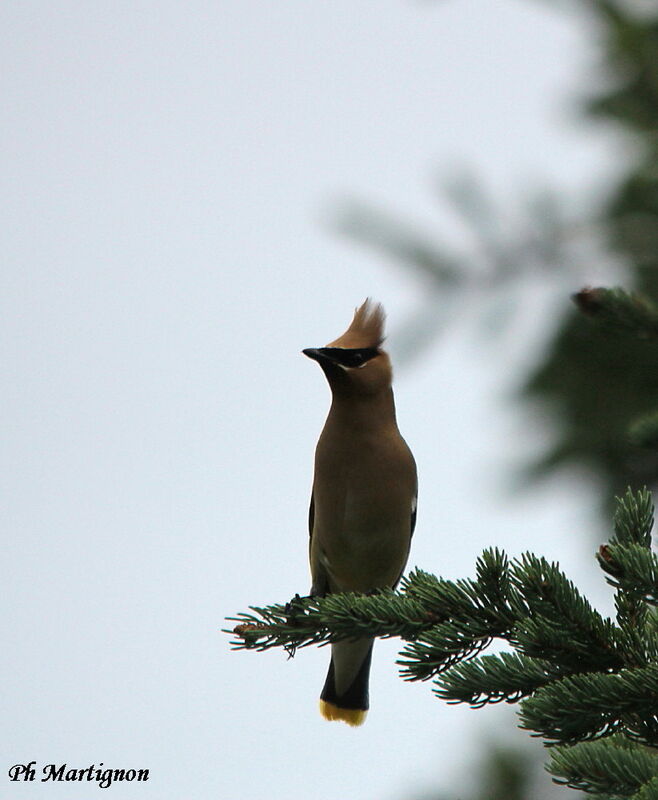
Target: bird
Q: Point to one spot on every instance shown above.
(362, 513)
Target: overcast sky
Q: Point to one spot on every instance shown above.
(169, 169)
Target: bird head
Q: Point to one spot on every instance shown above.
(354, 363)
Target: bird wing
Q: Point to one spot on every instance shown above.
(414, 505)
(319, 578)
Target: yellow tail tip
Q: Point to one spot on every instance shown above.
(352, 716)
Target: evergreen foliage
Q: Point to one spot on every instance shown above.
(596, 381)
(593, 382)
(620, 310)
(585, 684)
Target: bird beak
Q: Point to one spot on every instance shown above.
(317, 354)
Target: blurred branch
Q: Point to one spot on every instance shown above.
(620, 310)
(451, 279)
(384, 232)
(576, 380)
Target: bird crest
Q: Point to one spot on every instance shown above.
(366, 328)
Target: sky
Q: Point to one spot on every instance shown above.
(170, 173)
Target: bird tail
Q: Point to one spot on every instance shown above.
(345, 693)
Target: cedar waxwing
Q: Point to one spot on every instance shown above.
(363, 504)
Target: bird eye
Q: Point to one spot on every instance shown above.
(357, 358)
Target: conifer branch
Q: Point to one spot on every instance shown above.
(579, 707)
(577, 675)
(320, 620)
(492, 679)
(631, 568)
(617, 309)
(608, 766)
(649, 791)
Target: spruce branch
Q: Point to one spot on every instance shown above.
(579, 707)
(633, 519)
(586, 684)
(648, 792)
(492, 679)
(618, 309)
(473, 611)
(609, 766)
(321, 620)
(437, 649)
(560, 622)
(631, 568)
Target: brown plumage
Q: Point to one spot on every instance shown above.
(363, 504)
(366, 328)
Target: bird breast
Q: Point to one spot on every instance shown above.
(363, 505)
